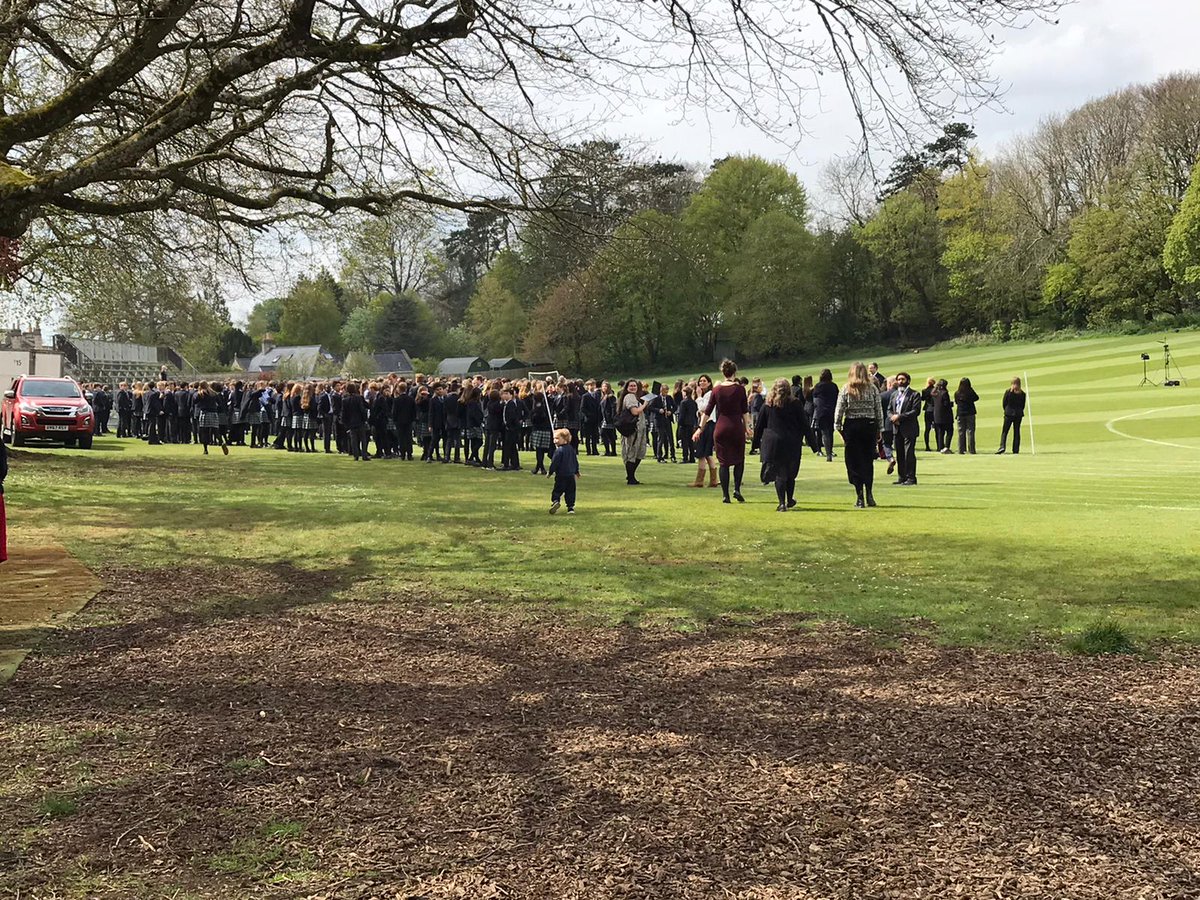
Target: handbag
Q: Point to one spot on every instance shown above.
(626, 422)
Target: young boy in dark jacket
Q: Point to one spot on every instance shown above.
(564, 466)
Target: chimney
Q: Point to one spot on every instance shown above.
(268, 342)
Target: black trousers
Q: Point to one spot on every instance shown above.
(1013, 422)
(124, 424)
(928, 427)
(328, 432)
(906, 454)
(825, 433)
(591, 438)
(358, 442)
(859, 437)
(686, 446)
(945, 435)
(564, 488)
(183, 429)
(452, 442)
(491, 443)
(509, 457)
(664, 441)
(966, 434)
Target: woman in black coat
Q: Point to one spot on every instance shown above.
(1014, 411)
(780, 430)
(825, 397)
(965, 399)
(943, 415)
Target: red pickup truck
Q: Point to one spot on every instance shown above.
(48, 409)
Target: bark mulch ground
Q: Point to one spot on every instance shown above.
(282, 744)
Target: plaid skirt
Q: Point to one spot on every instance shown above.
(543, 438)
(304, 422)
(208, 420)
(473, 434)
(420, 430)
(572, 424)
(235, 417)
(223, 419)
(253, 417)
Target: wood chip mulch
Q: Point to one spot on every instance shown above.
(281, 744)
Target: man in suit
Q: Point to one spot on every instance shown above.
(878, 377)
(904, 412)
(589, 414)
(453, 440)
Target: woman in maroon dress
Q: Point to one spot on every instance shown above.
(732, 412)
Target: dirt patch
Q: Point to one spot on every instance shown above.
(40, 587)
(277, 743)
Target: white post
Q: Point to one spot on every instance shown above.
(1029, 407)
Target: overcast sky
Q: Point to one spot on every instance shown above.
(1097, 47)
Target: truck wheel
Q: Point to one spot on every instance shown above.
(85, 442)
(18, 439)
(70, 442)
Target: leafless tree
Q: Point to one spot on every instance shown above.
(239, 113)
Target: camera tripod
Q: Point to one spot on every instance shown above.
(1146, 379)
(1169, 366)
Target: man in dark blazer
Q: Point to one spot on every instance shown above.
(904, 412)
(510, 459)
(183, 413)
(326, 414)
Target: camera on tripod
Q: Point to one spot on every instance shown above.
(1172, 377)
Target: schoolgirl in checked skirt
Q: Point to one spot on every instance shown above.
(208, 419)
(472, 418)
(542, 434)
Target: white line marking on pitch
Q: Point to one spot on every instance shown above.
(1147, 412)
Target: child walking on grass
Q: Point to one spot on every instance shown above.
(564, 466)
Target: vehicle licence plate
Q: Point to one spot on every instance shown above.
(57, 427)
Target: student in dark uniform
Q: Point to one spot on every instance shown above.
(589, 418)
(170, 416)
(542, 436)
(453, 440)
(404, 414)
(437, 421)
(208, 423)
(927, 406)
(138, 410)
(378, 415)
(474, 419)
(124, 411)
(354, 418)
(965, 399)
(943, 415)
(183, 414)
(608, 419)
(565, 469)
(662, 407)
(494, 425)
(251, 413)
(421, 423)
(825, 396)
(687, 416)
(510, 459)
(569, 411)
(99, 404)
(152, 409)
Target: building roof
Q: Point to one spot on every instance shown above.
(507, 362)
(462, 365)
(242, 363)
(304, 358)
(397, 361)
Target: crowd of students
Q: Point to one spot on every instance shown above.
(489, 424)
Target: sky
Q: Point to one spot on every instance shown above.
(1099, 46)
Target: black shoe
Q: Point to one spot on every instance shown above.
(737, 495)
(791, 502)
(871, 500)
(1000, 452)
(912, 482)
(724, 499)
(554, 507)
(899, 481)
(858, 504)
(782, 507)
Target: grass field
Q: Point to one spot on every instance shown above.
(1102, 523)
(308, 677)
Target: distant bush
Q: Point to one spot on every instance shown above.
(1102, 639)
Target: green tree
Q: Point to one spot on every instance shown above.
(233, 342)
(359, 365)
(736, 193)
(311, 314)
(905, 239)
(403, 322)
(496, 314)
(569, 324)
(358, 331)
(1114, 268)
(264, 318)
(1181, 253)
(776, 306)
